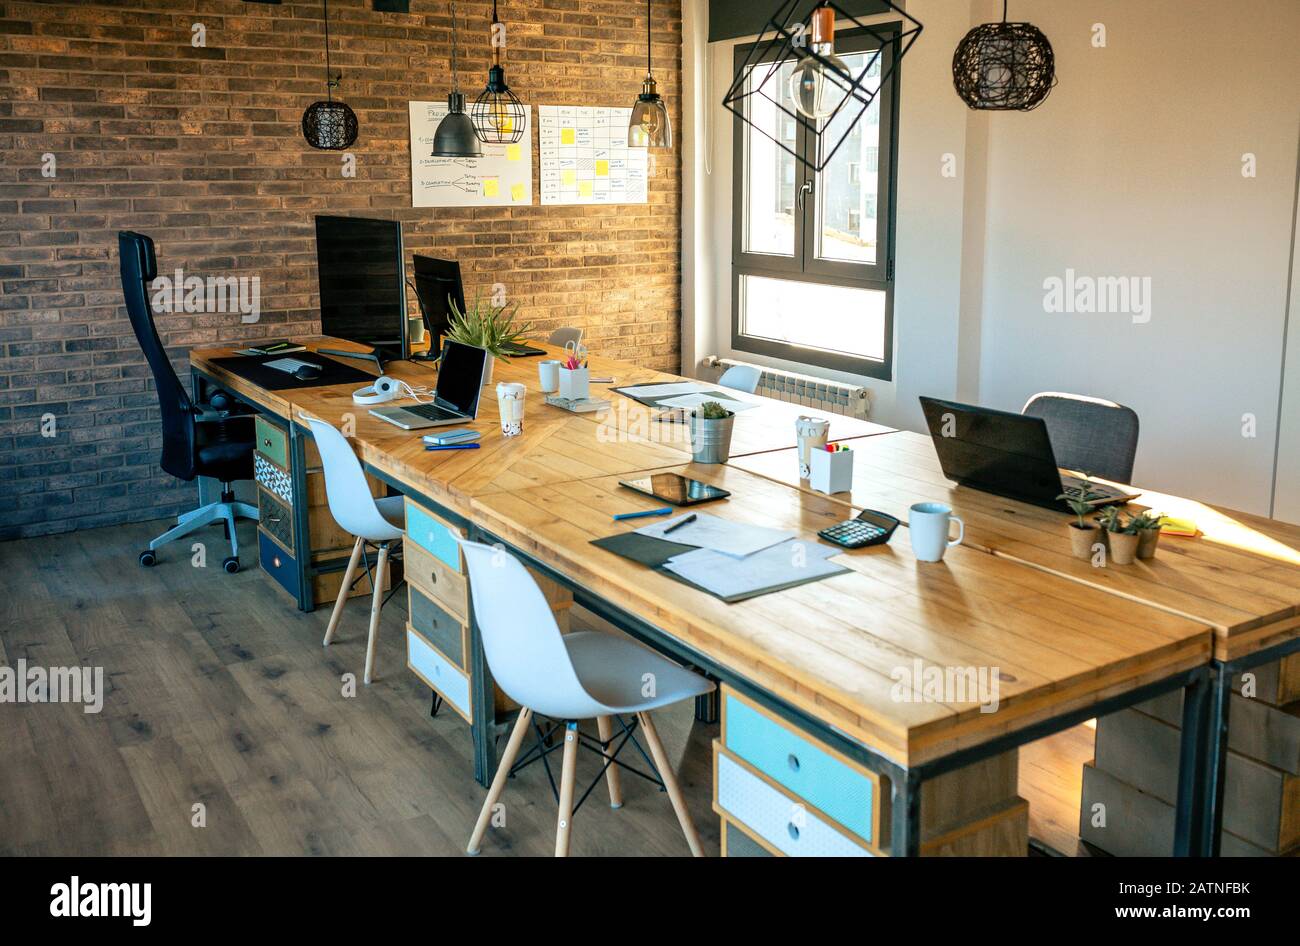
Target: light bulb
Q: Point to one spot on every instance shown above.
(815, 94)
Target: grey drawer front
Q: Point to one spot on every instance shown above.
(739, 844)
(276, 518)
(438, 627)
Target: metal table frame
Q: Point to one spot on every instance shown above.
(1199, 787)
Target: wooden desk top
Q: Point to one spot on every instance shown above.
(834, 647)
(1241, 576)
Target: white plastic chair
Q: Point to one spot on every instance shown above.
(562, 336)
(379, 521)
(568, 677)
(741, 378)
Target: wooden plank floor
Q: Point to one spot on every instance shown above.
(219, 693)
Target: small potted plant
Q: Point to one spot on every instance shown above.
(711, 433)
(487, 326)
(1122, 535)
(1083, 534)
(1147, 525)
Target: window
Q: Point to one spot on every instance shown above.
(812, 262)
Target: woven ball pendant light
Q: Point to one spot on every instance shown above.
(1004, 66)
(329, 125)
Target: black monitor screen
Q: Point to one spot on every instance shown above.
(460, 377)
(362, 282)
(437, 285)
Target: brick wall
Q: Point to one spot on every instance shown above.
(200, 148)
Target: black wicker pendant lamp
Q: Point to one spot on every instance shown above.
(455, 137)
(497, 113)
(1004, 66)
(649, 126)
(329, 125)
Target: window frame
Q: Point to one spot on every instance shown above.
(804, 265)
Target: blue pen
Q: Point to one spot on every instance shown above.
(641, 515)
(452, 446)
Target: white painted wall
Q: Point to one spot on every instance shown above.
(1131, 168)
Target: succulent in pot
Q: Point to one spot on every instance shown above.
(1083, 534)
(1147, 526)
(1121, 534)
(711, 433)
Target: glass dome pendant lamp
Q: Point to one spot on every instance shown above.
(498, 115)
(649, 126)
(329, 125)
(455, 137)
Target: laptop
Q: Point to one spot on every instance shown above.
(455, 397)
(1005, 454)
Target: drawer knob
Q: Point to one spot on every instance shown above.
(792, 760)
(265, 442)
(794, 831)
(276, 559)
(433, 577)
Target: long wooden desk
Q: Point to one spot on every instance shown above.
(1240, 576)
(831, 656)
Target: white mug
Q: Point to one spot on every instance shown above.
(510, 402)
(548, 374)
(927, 525)
(811, 432)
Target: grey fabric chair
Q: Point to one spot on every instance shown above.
(1088, 433)
(562, 336)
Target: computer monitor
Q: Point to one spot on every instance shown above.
(363, 283)
(437, 285)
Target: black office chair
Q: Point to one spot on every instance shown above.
(1089, 434)
(197, 440)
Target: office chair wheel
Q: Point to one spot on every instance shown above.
(231, 565)
(148, 559)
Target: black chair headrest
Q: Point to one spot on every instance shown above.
(135, 251)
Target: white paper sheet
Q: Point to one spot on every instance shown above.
(667, 389)
(792, 560)
(692, 401)
(721, 535)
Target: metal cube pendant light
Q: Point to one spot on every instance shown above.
(823, 96)
(649, 126)
(497, 113)
(1004, 66)
(329, 125)
(455, 137)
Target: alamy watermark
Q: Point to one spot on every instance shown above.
(181, 293)
(934, 684)
(24, 683)
(1128, 295)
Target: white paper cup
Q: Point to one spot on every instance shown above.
(811, 432)
(510, 403)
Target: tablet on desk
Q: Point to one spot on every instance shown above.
(676, 489)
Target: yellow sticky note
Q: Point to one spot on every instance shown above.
(514, 152)
(491, 187)
(585, 189)
(602, 169)
(569, 178)
(517, 192)
(567, 136)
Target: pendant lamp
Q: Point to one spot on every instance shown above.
(497, 113)
(455, 137)
(1004, 66)
(329, 125)
(649, 126)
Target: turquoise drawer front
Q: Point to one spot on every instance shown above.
(432, 535)
(799, 765)
(277, 563)
(787, 825)
(438, 673)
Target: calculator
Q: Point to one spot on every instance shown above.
(870, 528)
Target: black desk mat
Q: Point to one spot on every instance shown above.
(253, 368)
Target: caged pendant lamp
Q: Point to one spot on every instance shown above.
(329, 125)
(649, 126)
(1004, 66)
(455, 137)
(497, 113)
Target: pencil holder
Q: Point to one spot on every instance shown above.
(831, 472)
(574, 384)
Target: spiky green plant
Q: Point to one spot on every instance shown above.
(1078, 498)
(488, 326)
(711, 410)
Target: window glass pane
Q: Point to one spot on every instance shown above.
(770, 171)
(811, 315)
(847, 187)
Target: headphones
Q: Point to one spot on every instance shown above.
(387, 389)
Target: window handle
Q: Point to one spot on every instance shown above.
(804, 191)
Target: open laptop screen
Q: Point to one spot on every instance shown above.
(460, 377)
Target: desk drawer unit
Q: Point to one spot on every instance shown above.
(780, 819)
(827, 781)
(440, 674)
(272, 442)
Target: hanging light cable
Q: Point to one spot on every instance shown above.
(455, 137)
(329, 125)
(649, 126)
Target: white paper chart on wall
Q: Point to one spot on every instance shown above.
(502, 177)
(585, 158)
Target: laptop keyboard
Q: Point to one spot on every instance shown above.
(432, 411)
(1073, 483)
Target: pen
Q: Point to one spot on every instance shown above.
(677, 525)
(648, 512)
(452, 446)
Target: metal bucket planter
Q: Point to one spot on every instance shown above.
(711, 438)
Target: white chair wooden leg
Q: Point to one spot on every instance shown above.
(612, 779)
(348, 575)
(376, 603)
(670, 783)
(568, 772)
(499, 780)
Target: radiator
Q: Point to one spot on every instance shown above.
(850, 400)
